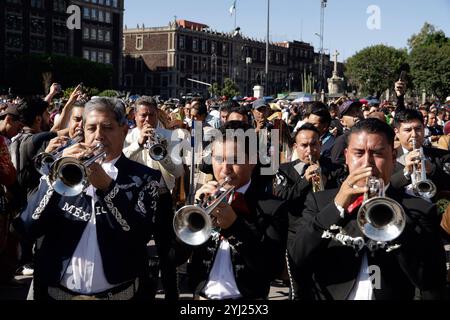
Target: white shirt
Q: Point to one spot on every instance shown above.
(221, 283)
(363, 284)
(85, 273)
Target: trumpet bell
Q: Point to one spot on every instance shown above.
(381, 219)
(68, 176)
(158, 152)
(425, 189)
(192, 225)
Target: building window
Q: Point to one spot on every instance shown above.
(14, 21)
(139, 42)
(225, 49)
(37, 3)
(195, 45)
(114, 3)
(86, 13)
(213, 47)
(94, 14)
(101, 57)
(107, 57)
(204, 46)
(85, 33)
(86, 54)
(14, 40)
(101, 16)
(94, 56)
(100, 35)
(108, 3)
(181, 42)
(107, 36)
(37, 25)
(93, 34)
(108, 17)
(128, 80)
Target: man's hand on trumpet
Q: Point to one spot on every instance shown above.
(413, 159)
(223, 216)
(311, 172)
(354, 185)
(55, 143)
(95, 173)
(146, 132)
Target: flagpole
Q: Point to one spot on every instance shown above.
(235, 14)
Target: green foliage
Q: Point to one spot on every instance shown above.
(230, 89)
(427, 36)
(25, 73)
(430, 68)
(89, 91)
(375, 69)
(109, 93)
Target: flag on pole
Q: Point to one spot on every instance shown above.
(233, 7)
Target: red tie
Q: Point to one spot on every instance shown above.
(239, 204)
(355, 204)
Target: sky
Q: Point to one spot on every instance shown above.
(349, 25)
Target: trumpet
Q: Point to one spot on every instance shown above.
(380, 218)
(423, 187)
(192, 223)
(157, 147)
(68, 175)
(44, 160)
(317, 184)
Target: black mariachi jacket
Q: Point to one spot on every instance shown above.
(257, 242)
(124, 219)
(325, 269)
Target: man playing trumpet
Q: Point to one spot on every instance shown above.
(408, 125)
(136, 148)
(94, 243)
(240, 260)
(334, 260)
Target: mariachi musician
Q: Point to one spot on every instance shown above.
(243, 255)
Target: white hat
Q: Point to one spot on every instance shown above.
(447, 99)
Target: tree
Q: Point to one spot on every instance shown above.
(427, 36)
(430, 61)
(230, 89)
(375, 69)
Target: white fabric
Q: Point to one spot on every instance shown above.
(169, 170)
(85, 272)
(221, 283)
(363, 285)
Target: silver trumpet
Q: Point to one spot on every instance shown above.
(44, 160)
(380, 218)
(157, 147)
(192, 223)
(422, 187)
(68, 175)
(317, 184)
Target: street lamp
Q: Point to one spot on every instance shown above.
(248, 60)
(323, 4)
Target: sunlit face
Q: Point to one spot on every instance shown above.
(409, 131)
(370, 150)
(315, 121)
(307, 143)
(12, 126)
(102, 127)
(225, 164)
(223, 116)
(146, 115)
(76, 121)
(261, 113)
(431, 119)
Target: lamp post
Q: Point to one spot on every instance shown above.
(267, 49)
(248, 60)
(323, 4)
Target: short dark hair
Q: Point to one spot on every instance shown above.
(201, 108)
(30, 108)
(373, 126)
(407, 115)
(227, 106)
(307, 126)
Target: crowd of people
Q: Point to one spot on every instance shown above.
(337, 190)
